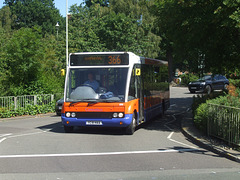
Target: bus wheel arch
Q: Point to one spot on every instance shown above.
(132, 127)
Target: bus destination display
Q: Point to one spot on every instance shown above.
(99, 59)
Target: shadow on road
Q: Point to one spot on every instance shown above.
(58, 128)
(182, 149)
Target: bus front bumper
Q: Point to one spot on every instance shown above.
(114, 122)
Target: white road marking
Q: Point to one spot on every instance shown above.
(97, 154)
(171, 134)
(3, 139)
(3, 135)
(19, 135)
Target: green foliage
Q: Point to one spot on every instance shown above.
(29, 110)
(90, 3)
(23, 53)
(83, 28)
(200, 99)
(201, 117)
(200, 107)
(6, 19)
(30, 13)
(187, 78)
(195, 28)
(235, 82)
(228, 100)
(28, 61)
(99, 28)
(158, 86)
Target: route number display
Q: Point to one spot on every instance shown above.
(98, 60)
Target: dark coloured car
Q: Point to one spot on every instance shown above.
(58, 106)
(209, 83)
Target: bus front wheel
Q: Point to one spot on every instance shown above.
(131, 128)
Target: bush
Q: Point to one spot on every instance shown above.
(201, 117)
(197, 101)
(228, 100)
(235, 82)
(187, 78)
(29, 110)
(200, 107)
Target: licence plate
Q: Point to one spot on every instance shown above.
(193, 87)
(94, 123)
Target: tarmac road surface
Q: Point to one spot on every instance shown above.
(38, 148)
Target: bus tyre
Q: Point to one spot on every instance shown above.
(131, 128)
(68, 129)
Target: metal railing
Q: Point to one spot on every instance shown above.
(12, 103)
(224, 123)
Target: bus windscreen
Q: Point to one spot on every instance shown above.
(99, 59)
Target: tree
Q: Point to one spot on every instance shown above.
(23, 52)
(3, 41)
(30, 13)
(103, 3)
(201, 28)
(113, 29)
(28, 63)
(140, 11)
(6, 19)
(83, 31)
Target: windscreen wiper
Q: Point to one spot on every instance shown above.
(92, 101)
(109, 101)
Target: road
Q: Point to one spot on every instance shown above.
(37, 148)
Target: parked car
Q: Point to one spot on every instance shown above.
(209, 83)
(58, 106)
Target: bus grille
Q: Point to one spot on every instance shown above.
(94, 115)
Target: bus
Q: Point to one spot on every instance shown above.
(113, 89)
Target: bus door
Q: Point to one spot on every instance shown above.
(139, 92)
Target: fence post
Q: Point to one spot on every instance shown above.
(15, 103)
(52, 97)
(35, 100)
(208, 120)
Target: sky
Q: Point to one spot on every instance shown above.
(59, 4)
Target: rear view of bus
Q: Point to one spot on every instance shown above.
(107, 90)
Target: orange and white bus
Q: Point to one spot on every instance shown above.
(113, 89)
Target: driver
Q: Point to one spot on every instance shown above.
(92, 82)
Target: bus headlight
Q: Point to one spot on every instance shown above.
(68, 114)
(118, 115)
(73, 114)
(115, 115)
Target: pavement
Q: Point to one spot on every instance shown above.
(192, 133)
(27, 116)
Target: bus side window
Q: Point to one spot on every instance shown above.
(132, 89)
